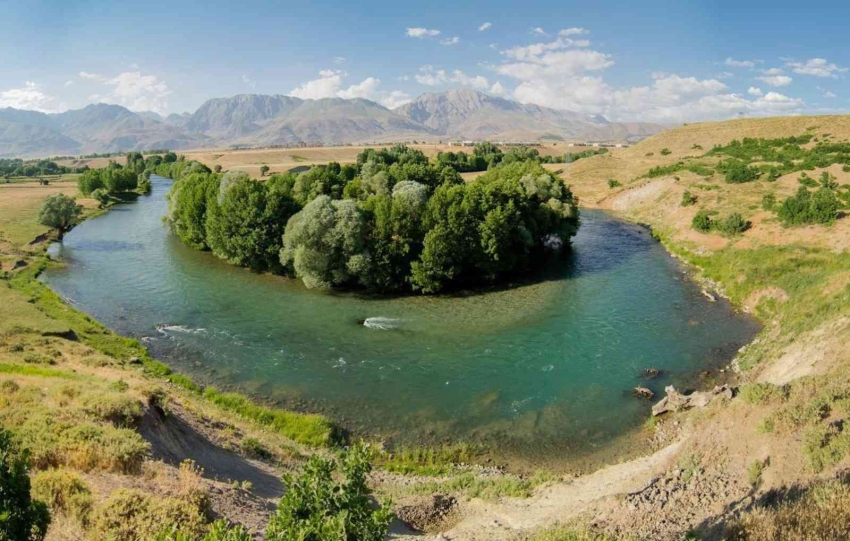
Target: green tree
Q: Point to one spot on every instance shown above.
(90, 181)
(702, 221)
(317, 507)
(21, 518)
(101, 196)
(247, 227)
(59, 212)
(325, 244)
(264, 170)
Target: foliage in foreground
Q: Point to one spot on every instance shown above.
(822, 512)
(316, 507)
(21, 518)
(59, 212)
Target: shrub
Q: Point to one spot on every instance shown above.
(820, 512)
(732, 224)
(613, 183)
(702, 221)
(845, 168)
(64, 492)
(696, 147)
(688, 199)
(119, 409)
(101, 196)
(666, 151)
(648, 154)
(761, 393)
(754, 471)
(254, 449)
(807, 181)
(21, 518)
(317, 507)
(768, 202)
(820, 207)
(737, 172)
(825, 445)
(133, 515)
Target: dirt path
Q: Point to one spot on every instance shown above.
(513, 518)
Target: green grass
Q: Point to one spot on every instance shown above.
(486, 488)
(37, 371)
(431, 461)
(309, 429)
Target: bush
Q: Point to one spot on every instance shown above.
(737, 172)
(768, 202)
(761, 393)
(666, 151)
(64, 492)
(821, 512)
(101, 196)
(688, 199)
(732, 224)
(613, 183)
(133, 515)
(754, 471)
(254, 449)
(317, 507)
(21, 518)
(220, 530)
(702, 221)
(820, 207)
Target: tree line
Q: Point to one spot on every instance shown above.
(393, 221)
(16, 167)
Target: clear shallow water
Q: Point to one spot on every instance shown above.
(544, 367)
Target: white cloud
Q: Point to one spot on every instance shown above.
(538, 30)
(450, 41)
(829, 94)
(776, 80)
(339, 59)
(484, 27)
(564, 74)
(394, 99)
(818, 67)
(574, 31)
(724, 75)
(329, 85)
(248, 81)
(754, 91)
(68, 83)
(430, 76)
(132, 90)
(93, 76)
(365, 89)
(773, 71)
(422, 33)
(732, 63)
(30, 96)
(497, 89)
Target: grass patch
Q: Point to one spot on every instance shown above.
(309, 429)
(486, 488)
(754, 471)
(761, 393)
(426, 460)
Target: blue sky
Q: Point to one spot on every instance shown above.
(653, 61)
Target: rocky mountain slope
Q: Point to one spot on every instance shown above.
(260, 120)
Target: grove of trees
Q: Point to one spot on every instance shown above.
(394, 221)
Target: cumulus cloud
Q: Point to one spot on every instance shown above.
(484, 27)
(497, 89)
(574, 31)
(539, 31)
(30, 96)
(732, 63)
(569, 74)
(773, 71)
(430, 76)
(450, 41)
(775, 80)
(329, 85)
(248, 81)
(754, 91)
(132, 90)
(817, 67)
(829, 94)
(422, 32)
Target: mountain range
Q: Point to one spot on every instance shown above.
(261, 120)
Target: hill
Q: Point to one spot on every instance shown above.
(262, 120)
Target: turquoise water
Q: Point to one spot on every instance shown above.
(546, 366)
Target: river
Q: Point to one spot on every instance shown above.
(545, 367)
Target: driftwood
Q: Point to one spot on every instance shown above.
(676, 401)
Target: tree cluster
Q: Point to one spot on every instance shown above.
(16, 167)
(394, 221)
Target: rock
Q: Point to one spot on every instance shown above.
(709, 296)
(426, 512)
(676, 401)
(643, 392)
(134, 360)
(650, 373)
